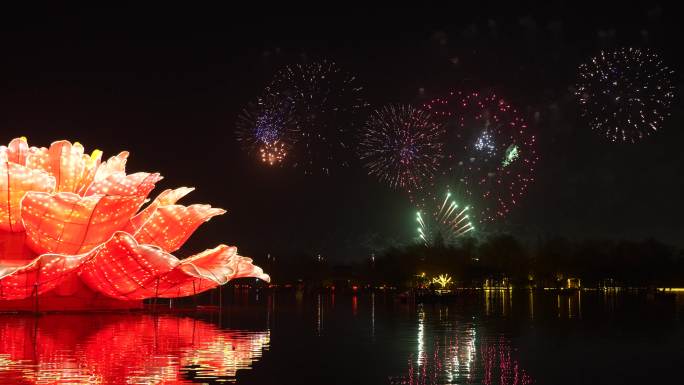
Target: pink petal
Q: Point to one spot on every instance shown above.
(66, 223)
(15, 181)
(124, 269)
(170, 226)
(38, 276)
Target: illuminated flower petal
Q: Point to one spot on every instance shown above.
(170, 197)
(65, 209)
(13, 248)
(44, 273)
(39, 159)
(208, 270)
(16, 152)
(244, 268)
(167, 197)
(113, 165)
(15, 181)
(125, 269)
(122, 268)
(66, 223)
(170, 226)
(221, 264)
(73, 170)
(140, 183)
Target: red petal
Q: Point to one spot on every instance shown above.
(23, 280)
(208, 270)
(167, 197)
(39, 159)
(140, 183)
(170, 197)
(115, 164)
(124, 269)
(15, 181)
(170, 226)
(66, 223)
(16, 151)
(73, 170)
(13, 248)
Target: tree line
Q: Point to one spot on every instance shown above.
(498, 258)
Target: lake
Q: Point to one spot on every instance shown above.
(483, 337)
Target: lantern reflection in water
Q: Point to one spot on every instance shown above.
(120, 349)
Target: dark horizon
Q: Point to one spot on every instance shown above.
(167, 85)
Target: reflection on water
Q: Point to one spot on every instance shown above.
(498, 301)
(569, 306)
(122, 349)
(458, 356)
(458, 361)
(421, 335)
(319, 315)
(373, 316)
(494, 337)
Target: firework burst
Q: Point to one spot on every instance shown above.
(325, 102)
(273, 152)
(267, 128)
(490, 154)
(625, 94)
(402, 146)
(447, 222)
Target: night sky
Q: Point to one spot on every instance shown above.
(167, 84)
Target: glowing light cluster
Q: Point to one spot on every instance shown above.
(625, 94)
(490, 154)
(445, 223)
(69, 218)
(325, 103)
(402, 145)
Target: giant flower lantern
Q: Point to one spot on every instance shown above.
(73, 233)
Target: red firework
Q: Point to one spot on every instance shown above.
(490, 153)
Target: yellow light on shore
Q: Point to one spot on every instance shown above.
(443, 280)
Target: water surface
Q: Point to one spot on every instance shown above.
(493, 337)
